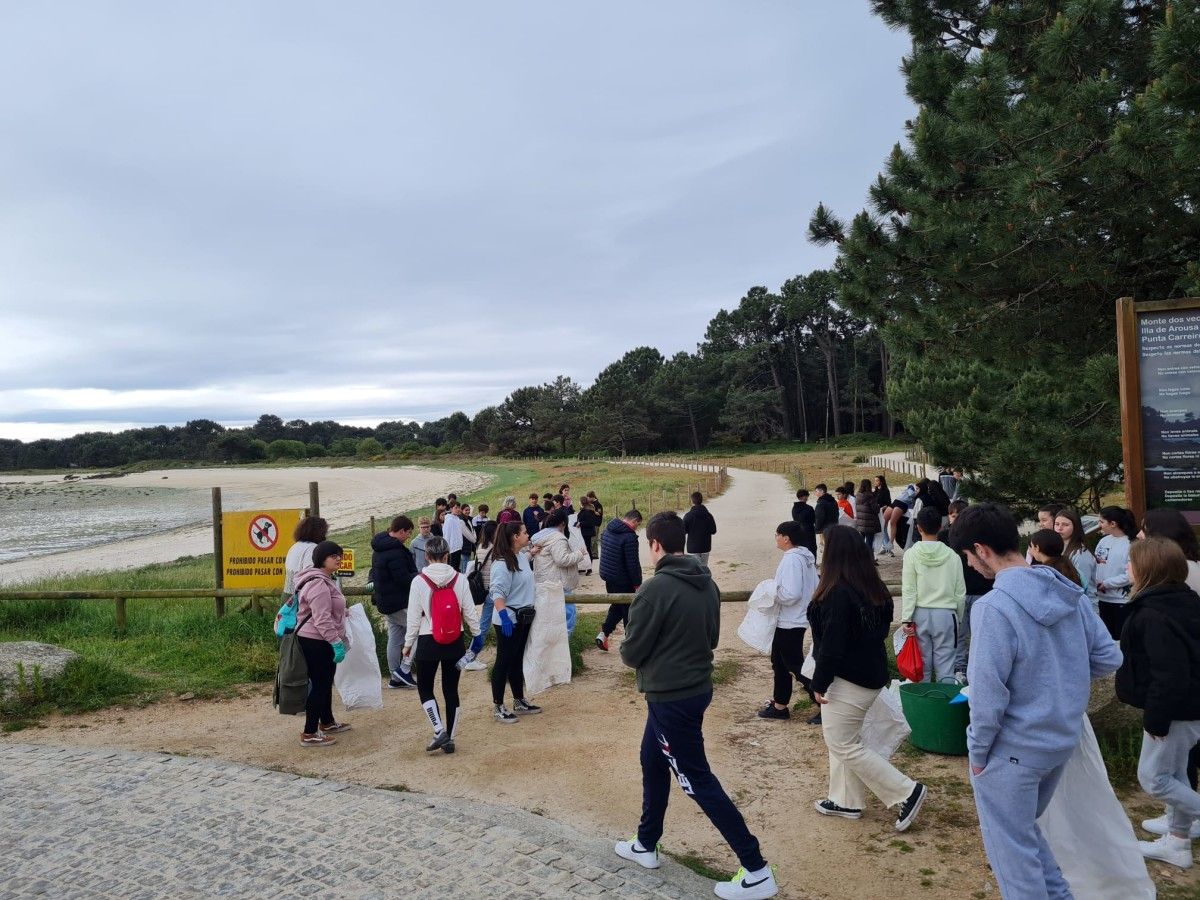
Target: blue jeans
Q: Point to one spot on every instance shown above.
(673, 747)
(572, 614)
(485, 615)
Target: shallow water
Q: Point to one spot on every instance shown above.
(41, 518)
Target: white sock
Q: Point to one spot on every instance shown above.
(406, 666)
(435, 717)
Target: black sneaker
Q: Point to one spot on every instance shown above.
(438, 742)
(815, 720)
(771, 712)
(504, 714)
(910, 807)
(829, 808)
(525, 708)
(448, 747)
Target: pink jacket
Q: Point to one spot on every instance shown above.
(321, 598)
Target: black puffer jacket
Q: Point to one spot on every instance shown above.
(392, 570)
(866, 513)
(1161, 644)
(826, 513)
(620, 568)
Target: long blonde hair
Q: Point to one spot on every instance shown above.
(1155, 561)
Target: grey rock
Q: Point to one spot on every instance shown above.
(30, 656)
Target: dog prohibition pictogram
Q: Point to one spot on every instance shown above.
(264, 533)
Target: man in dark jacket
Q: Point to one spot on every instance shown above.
(826, 513)
(620, 569)
(807, 517)
(674, 625)
(700, 526)
(392, 572)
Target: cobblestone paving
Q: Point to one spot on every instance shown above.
(106, 823)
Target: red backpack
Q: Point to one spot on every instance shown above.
(444, 613)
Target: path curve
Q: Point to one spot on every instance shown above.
(110, 823)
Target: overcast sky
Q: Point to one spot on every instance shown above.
(376, 211)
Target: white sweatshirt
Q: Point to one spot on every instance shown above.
(419, 621)
(1112, 555)
(795, 581)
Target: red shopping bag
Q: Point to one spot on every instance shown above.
(909, 661)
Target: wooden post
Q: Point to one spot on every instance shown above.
(372, 526)
(121, 621)
(314, 498)
(218, 552)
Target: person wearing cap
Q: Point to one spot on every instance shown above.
(323, 641)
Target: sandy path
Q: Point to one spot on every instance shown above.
(349, 496)
(578, 762)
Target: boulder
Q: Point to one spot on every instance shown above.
(48, 659)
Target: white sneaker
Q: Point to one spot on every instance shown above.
(1162, 825)
(475, 665)
(748, 885)
(634, 852)
(1168, 849)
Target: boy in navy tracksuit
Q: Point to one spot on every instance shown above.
(674, 624)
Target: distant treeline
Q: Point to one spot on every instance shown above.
(786, 364)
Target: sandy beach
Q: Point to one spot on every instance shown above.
(349, 496)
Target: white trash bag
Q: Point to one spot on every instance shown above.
(1089, 831)
(809, 669)
(548, 653)
(884, 726)
(358, 680)
(758, 628)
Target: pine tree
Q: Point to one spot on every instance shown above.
(1052, 168)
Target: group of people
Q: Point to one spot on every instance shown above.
(1007, 624)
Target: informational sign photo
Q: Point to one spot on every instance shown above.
(254, 546)
(1169, 369)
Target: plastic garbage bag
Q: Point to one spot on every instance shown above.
(547, 655)
(1089, 831)
(576, 542)
(358, 679)
(884, 726)
(809, 669)
(758, 628)
(909, 661)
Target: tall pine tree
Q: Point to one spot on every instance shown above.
(1052, 168)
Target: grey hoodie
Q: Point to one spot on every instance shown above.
(1036, 643)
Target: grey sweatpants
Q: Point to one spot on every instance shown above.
(964, 635)
(937, 636)
(397, 626)
(1162, 773)
(1008, 798)
(703, 557)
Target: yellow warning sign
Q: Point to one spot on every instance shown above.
(347, 569)
(254, 546)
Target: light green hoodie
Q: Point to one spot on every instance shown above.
(933, 579)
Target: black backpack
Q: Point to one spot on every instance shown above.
(479, 591)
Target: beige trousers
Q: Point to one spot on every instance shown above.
(853, 769)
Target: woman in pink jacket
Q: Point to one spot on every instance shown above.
(323, 639)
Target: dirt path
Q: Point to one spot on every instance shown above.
(578, 762)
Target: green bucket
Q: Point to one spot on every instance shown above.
(936, 726)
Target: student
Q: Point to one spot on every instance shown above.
(424, 533)
(455, 533)
(700, 527)
(674, 626)
(556, 561)
(533, 516)
(795, 581)
(1069, 527)
(1110, 577)
(480, 517)
(512, 614)
(1161, 676)
(848, 489)
(483, 562)
(976, 586)
(930, 493)
(323, 639)
(598, 506)
(1047, 549)
(392, 572)
(1035, 647)
(881, 492)
(844, 507)
(850, 614)
(866, 514)
(807, 517)
(1046, 514)
(892, 516)
(564, 491)
(934, 594)
(589, 525)
(421, 645)
(1170, 524)
(825, 513)
(620, 569)
(439, 515)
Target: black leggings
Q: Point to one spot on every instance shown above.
(510, 662)
(787, 658)
(426, 671)
(318, 710)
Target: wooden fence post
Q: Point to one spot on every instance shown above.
(121, 621)
(314, 498)
(218, 555)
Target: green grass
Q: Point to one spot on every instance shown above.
(85, 685)
(699, 865)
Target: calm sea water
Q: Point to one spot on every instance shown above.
(36, 519)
